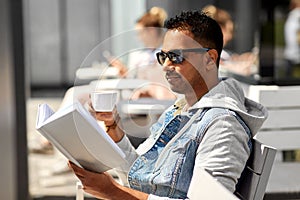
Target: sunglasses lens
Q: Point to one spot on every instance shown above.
(161, 57)
(174, 58)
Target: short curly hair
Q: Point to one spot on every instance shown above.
(206, 31)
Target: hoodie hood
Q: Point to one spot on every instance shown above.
(229, 94)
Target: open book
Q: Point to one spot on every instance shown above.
(78, 136)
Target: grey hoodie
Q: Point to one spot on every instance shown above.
(228, 148)
(229, 94)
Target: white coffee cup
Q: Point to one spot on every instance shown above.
(104, 101)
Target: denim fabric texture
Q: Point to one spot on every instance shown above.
(167, 168)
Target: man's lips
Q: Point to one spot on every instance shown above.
(172, 76)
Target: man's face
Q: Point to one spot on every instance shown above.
(185, 77)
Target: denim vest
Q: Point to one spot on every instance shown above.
(167, 168)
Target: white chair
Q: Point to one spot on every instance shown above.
(251, 185)
(282, 131)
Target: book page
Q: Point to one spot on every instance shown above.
(61, 112)
(44, 112)
(77, 135)
(93, 122)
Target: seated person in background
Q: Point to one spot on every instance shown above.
(292, 38)
(142, 65)
(243, 64)
(210, 128)
(142, 62)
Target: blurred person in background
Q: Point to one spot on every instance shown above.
(238, 63)
(142, 63)
(227, 26)
(292, 38)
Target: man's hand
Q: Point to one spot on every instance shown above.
(100, 185)
(111, 121)
(103, 186)
(119, 65)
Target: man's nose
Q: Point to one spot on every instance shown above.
(168, 65)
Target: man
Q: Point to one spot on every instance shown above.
(210, 128)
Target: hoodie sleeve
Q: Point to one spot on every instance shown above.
(224, 150)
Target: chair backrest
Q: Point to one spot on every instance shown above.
(254, 179)
(281, 130)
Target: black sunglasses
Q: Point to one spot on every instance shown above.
(176, 55)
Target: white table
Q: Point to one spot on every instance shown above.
(119, 84)
(145, 106)
(92, 73)
(139, 115)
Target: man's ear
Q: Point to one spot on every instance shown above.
(211, 59)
